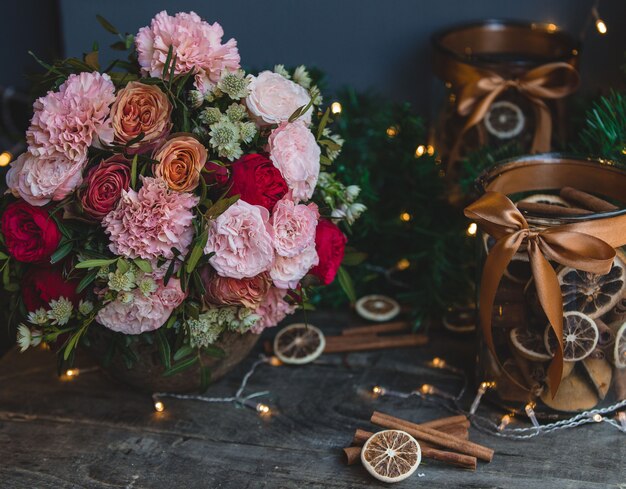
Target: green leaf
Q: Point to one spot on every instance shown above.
(166, 65)
(107, 25)
(193, 310)
(133, 172)
(214, 351)
(325, 160)
(300, 111)
(330, 144)
(205, 377)
(169, 272)
(354, 258)
(180, 367)
(136, 139)
(86, 280)
(346, 284)
(220, 206)
(3, 256)
(197, 252)
(95, 263)
(91, 60)
(61, 252)
(143, 265)
(323, 122)
(183, 351)
(164, 348)
(122, 265)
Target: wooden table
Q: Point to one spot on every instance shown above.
(92, 432)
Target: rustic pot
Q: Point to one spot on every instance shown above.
(146, 373)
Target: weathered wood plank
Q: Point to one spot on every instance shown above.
(93, 432)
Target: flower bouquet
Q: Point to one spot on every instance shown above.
(169, 207)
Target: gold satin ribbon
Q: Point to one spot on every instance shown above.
(587, 246)
(549, 81)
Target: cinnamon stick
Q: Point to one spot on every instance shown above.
(353, 455)
(433, 436)
(376, 328)
(551, 210)
(587, 201)
(342, 344)
(451, 458)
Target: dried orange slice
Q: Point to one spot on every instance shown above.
(391, 455)
(529, 344)
(580, 336)
(619, 351)
(299, 343)
(591, 294)
(377, 307)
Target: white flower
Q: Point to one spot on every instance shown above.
(147, 286)
(38, 317)
(125, 297)
(339, 212)
(225, 139)
(119, 281)
(247, 131)
(316, 95)
(236, 112)
(210, 115)
(26, 337)
(60, 311)
(301, 77)
(205, 330)
(352, 192)
(282, 71)
(196, 98)
(85, 307)
(234, 84)
(354, 211)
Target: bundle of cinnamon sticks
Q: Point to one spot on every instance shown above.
(374, 337)
(580, 204)
(445, 440)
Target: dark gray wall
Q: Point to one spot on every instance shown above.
(380, 44)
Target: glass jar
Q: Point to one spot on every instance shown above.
(570, 242)
(485, 67)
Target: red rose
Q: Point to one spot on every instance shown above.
(257, 181)
(30, 234)
(330, 244)
(216, 175)
(103, 186)
(40, 285)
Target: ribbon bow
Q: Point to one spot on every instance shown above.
(587, 246)
(549, 81)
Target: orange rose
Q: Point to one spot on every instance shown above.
(180, 161)
(247, 292)
(141, 108)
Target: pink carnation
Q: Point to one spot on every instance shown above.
(272, 310)
(273, 98)
(40, 180)
(294, 151)
(149, 223)
(142, 313)
(294, 227)
(287, 272)
(66, 122)
(196, 44)
(241, 241)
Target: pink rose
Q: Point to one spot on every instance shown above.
(247, 292)
(141, 108)
(241, 241)
(273, 99)
(293, 226)
(294, 151)
(40, 180)
(142, 313)
(197, 45)
(272, 310)
(287, 272)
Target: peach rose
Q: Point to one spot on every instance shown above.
(180, 161)
(247, 292)
(141, 108)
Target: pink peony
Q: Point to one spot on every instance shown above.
(40, 180)
(66, 122)
(142, 313)
(294, 151)
(293, 226)
(272, 310)
(149, 223)
(196, 44)
(287, 272)
(241, 241)
(273, 98)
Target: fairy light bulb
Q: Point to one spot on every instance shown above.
(420, 150)
(378, 390)
(405, 217)
(597, 418)
(504, 422)
(438, 363)
(530, 412)
(601, 26)
(621, 417)
(392, 131)
(427, 389)
(5, 158)
(403, 264)
(552, 27)
(263, 409)
(70, 373)
(472, 229)
(275, 361)
(430, 150)
(482, 388)
(336, 108)
(159, 407)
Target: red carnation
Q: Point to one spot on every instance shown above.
(257, 181)
(330, 244)
(103, 186)
(30, 234)
(40, 285)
